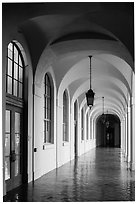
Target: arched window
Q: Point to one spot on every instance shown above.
(48, 135)
(82, 124)
(65, 116)
(14, 72)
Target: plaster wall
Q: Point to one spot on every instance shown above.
(42, 163)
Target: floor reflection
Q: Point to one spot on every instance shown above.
(99, 175)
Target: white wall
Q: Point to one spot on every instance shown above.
(45, 156)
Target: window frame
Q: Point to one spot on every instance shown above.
(12, 76)
(48, 139)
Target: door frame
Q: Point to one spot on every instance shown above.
(14, 181)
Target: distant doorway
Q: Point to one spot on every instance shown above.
(110, 137)
(108, 132)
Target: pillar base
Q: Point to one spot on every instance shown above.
(125, 157)
(128, 159)
(128, 165)
(132, 166)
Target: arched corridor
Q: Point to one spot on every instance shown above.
(52, 55)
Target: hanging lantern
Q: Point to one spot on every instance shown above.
(90, 93)
(90, 97)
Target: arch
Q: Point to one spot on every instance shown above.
(69, 49)
(100, 69)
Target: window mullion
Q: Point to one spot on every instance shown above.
(7, 74)
(12, 69)
(18, 78)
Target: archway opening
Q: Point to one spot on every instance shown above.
(108, 131)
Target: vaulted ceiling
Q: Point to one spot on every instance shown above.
(69, 33)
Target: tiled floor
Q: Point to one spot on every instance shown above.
(99, 175)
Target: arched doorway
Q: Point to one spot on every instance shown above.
(16, 129)
(108, 131)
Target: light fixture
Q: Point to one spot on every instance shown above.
(90, 93)
(103, 115)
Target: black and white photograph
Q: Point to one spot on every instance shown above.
(68, 101)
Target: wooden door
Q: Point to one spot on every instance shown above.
(13, 147)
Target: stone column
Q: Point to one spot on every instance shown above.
(79, 131)
(132, 163)
(129, 135)
(59, 134)
(122, 135)
(126, 135)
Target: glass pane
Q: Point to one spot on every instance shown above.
(17, 143)
(17, 165)
(15, 87)
(44, 112)
(20, 90)
(48, 132)
(7, 144)
(48, 126)
(10, 47)
(46, 79)
(45, 124)
(10, 53)
(48, 113)
(20, 74)
(48, 90)
(7, 121)
(17, 122)
(64, 129)
(7, 168)
(64, 99)
(48, 103)
(9, 67)
(15, 54)
(9, 81)
(20, 61)
(15, 71)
